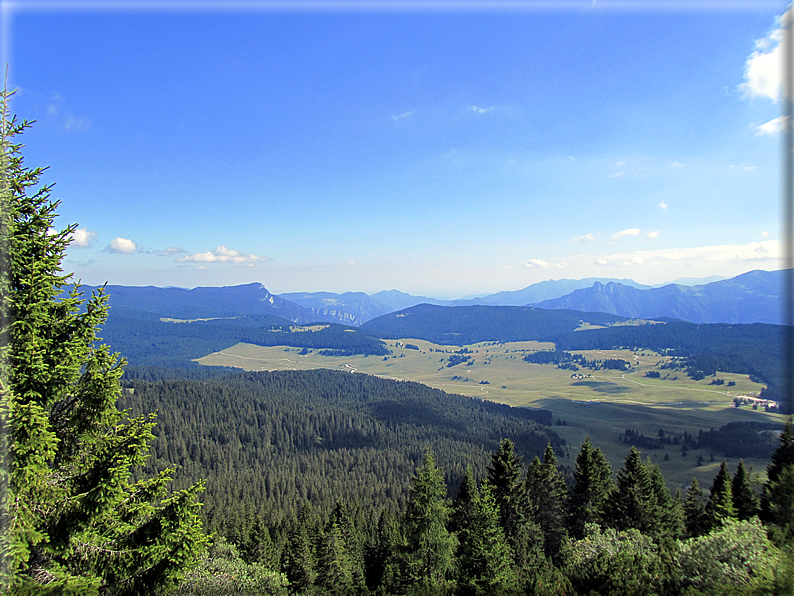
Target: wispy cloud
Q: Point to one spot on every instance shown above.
(617, 174)
(624, 233)
(539, 264)
(620, 164)
(222, 255)
(83, 237)
(744, 167)
(64, 117)
(477, 110)
(676, 164)
(402, 116)
(772, 127)
(766, 250)
(662, 207)
(650, 236)
(169, 252)
(763, 68)
(123, 246)
(586, 238)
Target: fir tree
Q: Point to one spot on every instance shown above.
(259, 547)
(777, 501)
(669, 516)
(71, 519)
(592, 490)
(548, 495)
(335, 567)
(523, 535)
(299, 558)
(464, 503)
(745, 500)
(720, 504)
(695, 523)
(781, 459)
(484, 561)
(504, 475)
(635, 504)
(429, 551)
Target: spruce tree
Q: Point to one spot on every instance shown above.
(504, 475)
(745, 500)
(592, 490)
(695, 523)
(71, 520)
(335, 575)
(777, 501)
(669, 515)
(523, 535)
(464, 502)
(635, 504)
(429, 550)
(299, 560)
(548, 497)
(720, 504)
(484, 561)
(781, 459)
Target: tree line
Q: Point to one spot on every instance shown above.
(515, 529)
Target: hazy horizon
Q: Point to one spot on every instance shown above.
(446, 151)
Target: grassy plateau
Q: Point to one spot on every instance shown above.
(601, 404)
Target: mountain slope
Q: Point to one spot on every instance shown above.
(461, 325)
(350, 308)
(753, 297)
(207, 302)
(544, 290)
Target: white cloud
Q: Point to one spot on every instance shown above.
(764, 234)
(586, 238)
(629, 232)
(536, 263)
(676, 164)
(617, 174)
(662, 207)
(744, 167)
(620, 164)
(167, 252)
(222, 255)
(402, 116)
(772, 127)
(763, 68)
(752, 253)
(651, 236)
(83, 237)
(123, 246)
(480, 110)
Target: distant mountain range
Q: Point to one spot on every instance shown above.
(753, 297)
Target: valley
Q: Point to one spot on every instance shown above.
(602, 403)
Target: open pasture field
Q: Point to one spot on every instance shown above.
(601, 404)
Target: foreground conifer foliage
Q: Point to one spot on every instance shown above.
(71, 521)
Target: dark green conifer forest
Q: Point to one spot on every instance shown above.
(322, 482)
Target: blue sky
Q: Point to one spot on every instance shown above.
(449, 151)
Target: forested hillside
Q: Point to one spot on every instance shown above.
(264, 442)
(462, 325)
(145, 340)
(322, 482)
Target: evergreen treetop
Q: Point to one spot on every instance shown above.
(72, 519)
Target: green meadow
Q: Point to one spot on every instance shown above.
(601, 404)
